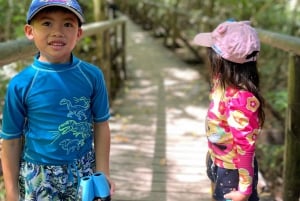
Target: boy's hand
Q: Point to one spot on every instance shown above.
(112, 185)
(236, 196)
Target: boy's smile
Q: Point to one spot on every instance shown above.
(57, 45)
(55, 34)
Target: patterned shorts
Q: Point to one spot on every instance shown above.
(54, 183)
(221, 176)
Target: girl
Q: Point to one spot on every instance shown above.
(235, 115)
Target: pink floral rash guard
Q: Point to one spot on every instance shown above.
(232, 126)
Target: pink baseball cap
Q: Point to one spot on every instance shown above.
(234, 41)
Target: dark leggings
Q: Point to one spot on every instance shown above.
(225, 180)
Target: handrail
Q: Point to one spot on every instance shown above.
(281, 41)
(96, 27)
(15, 50)
(22, 48)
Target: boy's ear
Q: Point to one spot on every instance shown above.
(79, 33)
(28, 31)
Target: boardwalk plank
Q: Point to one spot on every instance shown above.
(158, 144)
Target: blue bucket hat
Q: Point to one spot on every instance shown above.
(38, 5)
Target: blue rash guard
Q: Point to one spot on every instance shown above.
(54, 106)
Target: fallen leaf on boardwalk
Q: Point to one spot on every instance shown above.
(123, 127)
(120, 138)
(162, 161)
(192, 134)
(125, 120)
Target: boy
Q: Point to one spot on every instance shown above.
(59, 106)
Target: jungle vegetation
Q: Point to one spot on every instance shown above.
(282, 16)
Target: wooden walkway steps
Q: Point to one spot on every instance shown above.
(158, 143)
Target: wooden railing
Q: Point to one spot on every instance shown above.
(113, 49)
(174, 22)
(177, 26)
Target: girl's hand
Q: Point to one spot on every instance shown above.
(236, 196)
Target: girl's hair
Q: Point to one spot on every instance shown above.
(243, 76)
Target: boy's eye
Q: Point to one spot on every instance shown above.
(68, 24)
(46, 23)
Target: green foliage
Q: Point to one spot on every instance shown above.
(13, 17)
(274, 15)
(86, 44)
(3, 83)
(87, 8)
(278, 100)
(270, 159)
(273, 68)
(5, 74)
(2, 193)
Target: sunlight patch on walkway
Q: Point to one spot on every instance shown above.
(138, 37)
(183, 74)
(191, 121)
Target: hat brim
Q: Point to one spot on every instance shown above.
(203, 39)
(77, 13)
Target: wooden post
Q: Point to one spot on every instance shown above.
(174, 24)
(106, 61)
(97, 14)
(124, 53)
(102, 42)
(291, 170)
(168, 18)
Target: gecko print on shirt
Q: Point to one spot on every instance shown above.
(73, 133)
(77, 108)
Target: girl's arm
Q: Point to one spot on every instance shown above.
(244, 126)
(10, 156)
(102, 150)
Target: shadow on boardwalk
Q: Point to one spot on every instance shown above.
(158, 143)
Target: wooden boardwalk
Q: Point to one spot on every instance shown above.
(158, 143)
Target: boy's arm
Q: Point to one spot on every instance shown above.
(102, 146)
(102, 150)
(10, 156)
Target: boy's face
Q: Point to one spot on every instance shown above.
(55, 34)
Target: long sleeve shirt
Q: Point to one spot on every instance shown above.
(232, 127)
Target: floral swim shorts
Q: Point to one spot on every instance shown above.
(221, 176)
(49, 182)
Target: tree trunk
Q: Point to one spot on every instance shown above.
(291, 170)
